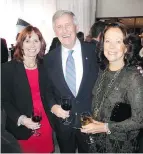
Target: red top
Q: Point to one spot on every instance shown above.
(44, 142)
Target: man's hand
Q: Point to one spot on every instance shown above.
(59, 112)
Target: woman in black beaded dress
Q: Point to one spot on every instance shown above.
(117, 104)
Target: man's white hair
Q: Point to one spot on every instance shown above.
(60, 13)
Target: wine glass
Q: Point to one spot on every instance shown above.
(66, 105)
(36, 117)
(85, 119)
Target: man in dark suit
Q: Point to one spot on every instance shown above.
(4, 51)
(71, 72)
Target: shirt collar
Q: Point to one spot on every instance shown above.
(75, 48)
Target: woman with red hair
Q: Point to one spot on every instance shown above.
(23, 89)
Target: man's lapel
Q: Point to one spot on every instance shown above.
(58, 74)
(85, 69)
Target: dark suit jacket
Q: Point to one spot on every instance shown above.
(16, 96)
(55, 43)
(4, 51)
(57, 86)
(140, 138)
(8, 142)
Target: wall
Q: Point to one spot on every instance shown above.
(36, 12)
(119, 8)
(84, 10)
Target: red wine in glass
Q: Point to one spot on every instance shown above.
(66, 105)
(36, 117)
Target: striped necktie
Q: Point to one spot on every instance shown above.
(71, 73)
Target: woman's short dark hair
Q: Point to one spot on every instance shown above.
(18, 54)
(130, 44)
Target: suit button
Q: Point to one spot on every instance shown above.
(77, 102)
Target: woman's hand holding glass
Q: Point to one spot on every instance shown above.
(94, 127)
(27, 122)
(86, 119)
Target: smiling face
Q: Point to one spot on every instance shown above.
(65, 29)
(31, 45)
(114, 48)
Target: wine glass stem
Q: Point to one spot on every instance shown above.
(36, 132)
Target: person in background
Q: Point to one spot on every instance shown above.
(96, 31)
(71, 73)
(55, 43)
(137, 43)
(88, 38)
(141, 50)
(20, 25)
(80, 36)
(23, 93)
(4, 50)
(117, 104)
